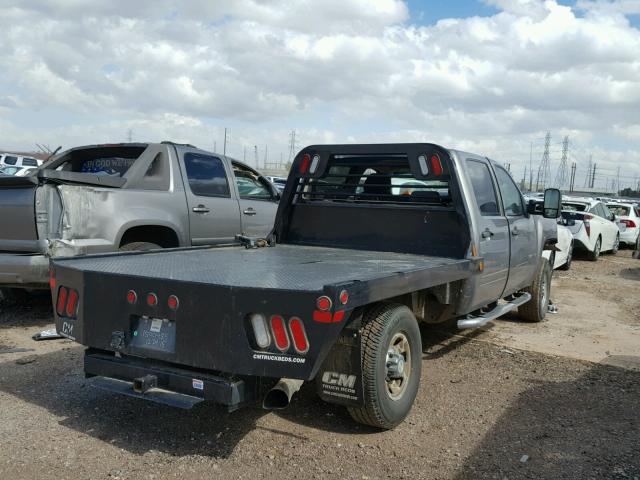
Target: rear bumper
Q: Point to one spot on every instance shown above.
(629, 236)
(30, 271)
(231, 391)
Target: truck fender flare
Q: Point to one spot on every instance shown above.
(124, 228)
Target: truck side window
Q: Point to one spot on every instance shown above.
(511, 197)
(483, 188)
(250, 185)
(206, 175)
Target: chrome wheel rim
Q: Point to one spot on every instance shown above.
(596, 250)
(398, 366)
(545, 294)
(616, 245)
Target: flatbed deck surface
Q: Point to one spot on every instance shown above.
(284, 267)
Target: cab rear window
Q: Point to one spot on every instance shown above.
(380, 180)
(114, 161)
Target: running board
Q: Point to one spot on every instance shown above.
(475, 321)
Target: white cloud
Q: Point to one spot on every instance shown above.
(339, 70)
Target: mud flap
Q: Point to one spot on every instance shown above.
(339, 379)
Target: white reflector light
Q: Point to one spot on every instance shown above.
(424, 168)
(314, 164)
(259, 324)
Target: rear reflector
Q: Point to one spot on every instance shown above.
(279, 333)
(322, 317)
(52, 279)
(62, 301)
(72, 303)
(304, 165)
(260, 332)
(300, 342)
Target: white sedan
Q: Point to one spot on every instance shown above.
(592, 225)
(628, 219)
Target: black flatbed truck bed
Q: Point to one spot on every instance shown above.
(283, 267)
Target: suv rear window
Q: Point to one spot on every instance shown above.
(114, 161)
(574, 207)
(377, 180)
(29, 162)
(9, 160)
(619, 210)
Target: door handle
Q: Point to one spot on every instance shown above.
(201, 209)
(515, 231)
(487, 233)
(249, 211)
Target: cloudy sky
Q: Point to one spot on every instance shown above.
(489, 76)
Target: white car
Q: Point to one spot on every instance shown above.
(16, 171)
(628, 216)
(564, 255)
(11, 160)
(592, 225)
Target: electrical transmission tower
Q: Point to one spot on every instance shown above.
(543, 169)
(587, 179)
(292, 145)
(561, 176)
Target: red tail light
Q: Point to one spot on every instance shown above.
(132, 297)
(629, 223)
(323, 303)
(62, 301)
(173, 302)
(436, 165)
(152, 299)
(279, 333)
(304, 165)
(344, 297)
(300, 342)
(72, 303)
(587, 224)
(52, 279)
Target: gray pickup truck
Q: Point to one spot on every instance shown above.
(135, 196)
(368, 240)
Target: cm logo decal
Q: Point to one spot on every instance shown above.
(339, 379)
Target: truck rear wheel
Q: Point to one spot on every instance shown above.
(391, 366)
(139, 246)
(536, 309)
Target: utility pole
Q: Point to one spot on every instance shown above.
(130, 135)
(266, 155)
(244, 153)
(255, 155)
(530, 166)
(618, 181)
(215, 146)
(224, 148)
(523, 184)
(543, 169)
(562, 169)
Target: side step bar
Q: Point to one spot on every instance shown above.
(475, 321)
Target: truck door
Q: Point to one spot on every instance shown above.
(492, 233)
(258, 203)
(214, 215)
(524, 256)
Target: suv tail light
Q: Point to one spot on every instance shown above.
(62, 301)
(629, 223)
(587, 224)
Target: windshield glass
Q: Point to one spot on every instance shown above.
(619, 210)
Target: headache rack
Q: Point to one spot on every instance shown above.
(376, 179)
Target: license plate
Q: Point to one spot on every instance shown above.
(154, 334)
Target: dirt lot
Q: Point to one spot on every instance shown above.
(554, 400)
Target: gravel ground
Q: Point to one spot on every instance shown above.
(485, 410)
